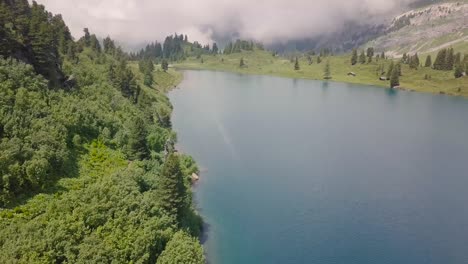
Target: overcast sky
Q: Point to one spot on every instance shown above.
(139, 21)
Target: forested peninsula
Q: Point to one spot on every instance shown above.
(88, 169)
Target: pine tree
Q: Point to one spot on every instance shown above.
(362, 58)
(404, 59)
(296, 65)
(458, 71)
(382, 55)
(228, 48)
(326, 71)
(71, 54)
(414, 61)
(370, 52)
(449, 61)
(215, 48)
(241, 63)
(171, 189)
(457, 59)
(390, 70)
(440, 61)
(148, 79)
(397, 68)
(354, 57)
(394, 78)
(109, 45)
(428, 62)
(94, 44)
(164, 65)
(87, 37)
(137, 140)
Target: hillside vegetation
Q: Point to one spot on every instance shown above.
(87, 162)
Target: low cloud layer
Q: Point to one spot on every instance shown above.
(139, 21)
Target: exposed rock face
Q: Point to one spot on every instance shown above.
(194, 177)
(425, 30)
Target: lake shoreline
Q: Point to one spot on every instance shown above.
(423, 79)
(357, 166)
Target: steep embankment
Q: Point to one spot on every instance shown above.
(426, 30)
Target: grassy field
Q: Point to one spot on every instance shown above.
(163, 81)
(264, 63)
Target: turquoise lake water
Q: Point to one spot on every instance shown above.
(301, 171)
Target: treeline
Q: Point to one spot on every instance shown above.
(240, 45)
(366, 56)
(175, 48)
(35, 36)
(446, 60)
(87, 162)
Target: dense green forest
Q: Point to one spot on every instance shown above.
(87, 162)
(174, 48)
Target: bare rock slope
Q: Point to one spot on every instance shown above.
(426, 30)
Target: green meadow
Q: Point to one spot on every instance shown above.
(264, 63)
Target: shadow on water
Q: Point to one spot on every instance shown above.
(325, 86)
(205, 231)
(204, 237)
(391, 92)
(294, 81)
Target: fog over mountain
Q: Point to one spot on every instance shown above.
(272, 21)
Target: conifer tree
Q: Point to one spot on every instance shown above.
(296, 65)
(414, 61)
(390, 70)
(370, 52)
(404, 59)
(241, 63)
(319, 60)
(109, 45)
(395, 78)
(450, 59)
(171, 188)
(457, 58)
(215, 48)
(137, 140)
(326, 71)
(86, 37)
(458, 71)
(428, 62)
(397, 68)
(354, 57)
(362, 58)
(440, 61)
(164, 65)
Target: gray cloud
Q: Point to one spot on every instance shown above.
(138, 21)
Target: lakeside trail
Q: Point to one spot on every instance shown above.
(261, 62)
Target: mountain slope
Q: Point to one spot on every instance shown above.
(426, 30)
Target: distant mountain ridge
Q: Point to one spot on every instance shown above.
(426, 26)
(426, 30)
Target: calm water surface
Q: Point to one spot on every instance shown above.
(299, 171)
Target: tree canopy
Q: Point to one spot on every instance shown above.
(84, 173)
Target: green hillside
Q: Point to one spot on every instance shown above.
(87, 162)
